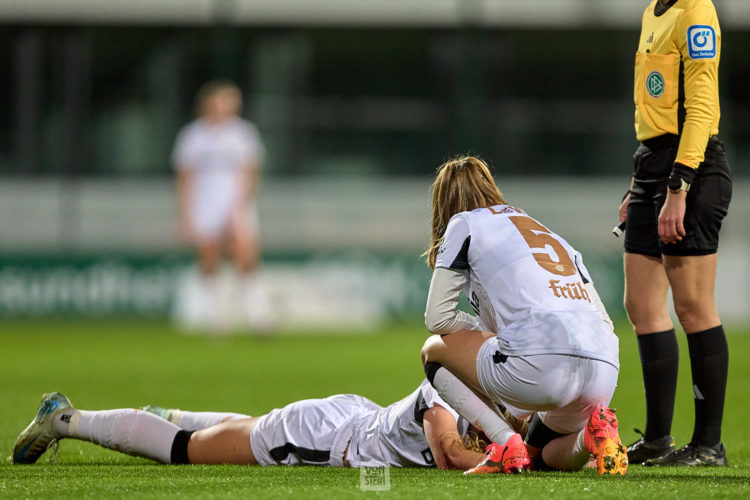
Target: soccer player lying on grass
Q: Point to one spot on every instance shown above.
(344, 430)
(540, 342)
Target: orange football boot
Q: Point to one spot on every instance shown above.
(603, 441)
(509, 458)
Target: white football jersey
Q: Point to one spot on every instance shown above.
(527, 284)
(394, 435)
(209, 147)
(215, 153)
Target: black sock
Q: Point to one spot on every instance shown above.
(180, 447)
(539, 435)
(660, 359)
(430, 369)
(709, 362)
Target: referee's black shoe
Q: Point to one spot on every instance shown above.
(643, 450)
(693, 455)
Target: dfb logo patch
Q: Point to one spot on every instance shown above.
(701, 42)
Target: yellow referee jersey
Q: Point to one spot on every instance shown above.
(677, 76)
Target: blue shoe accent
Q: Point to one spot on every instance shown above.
(40, 434)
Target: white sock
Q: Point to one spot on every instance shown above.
(197, 420)
(566, 452)
(471, 407)
(256, 302)
(134, 432)
(214, 301)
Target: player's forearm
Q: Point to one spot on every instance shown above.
(466, 459)
(693, 142)
(457, 322)
(456, 453)
(442, 314)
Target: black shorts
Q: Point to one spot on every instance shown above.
(706, 205)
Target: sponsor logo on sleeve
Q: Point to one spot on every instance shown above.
(701, 42)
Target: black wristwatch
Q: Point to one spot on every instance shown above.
(680, 178)
(677, 184)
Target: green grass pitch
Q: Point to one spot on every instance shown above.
(112, 364)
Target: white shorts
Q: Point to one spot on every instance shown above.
(308, 432)
(212, 220)
(563, 389)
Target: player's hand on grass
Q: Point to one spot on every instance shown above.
(671, 227)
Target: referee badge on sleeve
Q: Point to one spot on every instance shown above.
(701, 42)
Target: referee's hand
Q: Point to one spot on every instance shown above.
(671, 228)
(624, 208)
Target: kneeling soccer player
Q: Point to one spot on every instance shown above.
(541, 341)
(344, 430)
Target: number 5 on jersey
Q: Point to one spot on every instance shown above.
(539, 238)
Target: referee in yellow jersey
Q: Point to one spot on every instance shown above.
(679, 195)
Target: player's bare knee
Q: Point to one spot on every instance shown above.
(209, 270)
(645, 318)
(431, 349)
(694, 317)
(636, 316)
(425, 354)
(630, 312)
(629, 305)
(637, 308)
(687, 308)
(210, 263)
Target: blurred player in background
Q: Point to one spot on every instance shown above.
(541, 340)
(218, 158)
(345, 430)
(679, 196)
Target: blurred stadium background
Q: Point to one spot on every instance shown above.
(357, 102)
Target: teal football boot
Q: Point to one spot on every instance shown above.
(40, 434)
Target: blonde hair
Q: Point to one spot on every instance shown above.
(462, 184)
(473, 442)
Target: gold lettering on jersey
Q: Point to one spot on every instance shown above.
(573, 291)
(540, 238)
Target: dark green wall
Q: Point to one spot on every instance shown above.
(108, 100)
